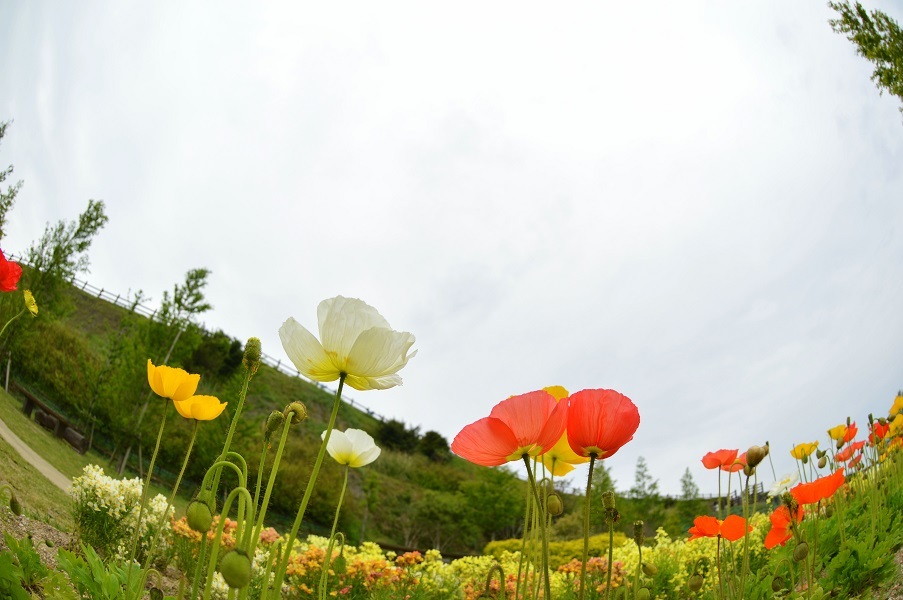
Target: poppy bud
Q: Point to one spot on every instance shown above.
(554, 505)
(14, 505)
(251, 358)
(649, 570)
(274, 422)
(643, 594)
(822, 462)
(805, 458)
(882, 421)
(236, 569)
(840, 443)
(695, 582)
(639, 533)
(755, 455)
(801, 552)
(199, 516)
(820, 453)
(608, 499)
(829, 511)
(156, 594)
(339, 566)
(777, 584)
(297, 411)
(748, 470)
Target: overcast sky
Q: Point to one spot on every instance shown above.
(696, 204)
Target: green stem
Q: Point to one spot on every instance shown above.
(324, 574)
(214, 551)
(241, 402)
(198, 569)
(523, 546)
(283, 562)
(636, 577)
(718, 564)
(544, 547)
(586, 509)
(270, 483)
(20, 313)
(611, 550)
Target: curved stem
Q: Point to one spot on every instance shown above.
(586, 509)
(324, 574)
(270, 483)
(214, 551)
(283, 562)
(20, 313)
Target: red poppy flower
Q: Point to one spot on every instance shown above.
(10, 272)
(854, 462)
(878, 432)
(732, 528)
(737, 465)
(526, 424)
(781, 520)
(820, 489)
(852, 430)
(848, 452)
(600, 422)
(716, 460)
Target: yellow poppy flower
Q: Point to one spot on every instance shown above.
(838, 432)
(897, 408)
(169, 382)
(30, 303)
(896, 425)
(802, 450)
(355, 341)
(202, 408)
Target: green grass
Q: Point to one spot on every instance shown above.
(40, 499)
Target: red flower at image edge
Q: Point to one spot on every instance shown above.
(526, 424)
(781, 520)
(600, 422)
(10, 272)
(820, 489)
(732, 528)
(716, 460)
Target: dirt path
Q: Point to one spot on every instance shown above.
(32, 457)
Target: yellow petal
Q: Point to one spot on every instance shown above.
(207, 408)
(559, 392)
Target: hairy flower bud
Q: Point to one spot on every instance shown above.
(639, 532)
(801, 552)
(339, 566)
(274, 422)
(695, 582)
(822, 462)
(608, 500)
(755, 455)
(236, 569)
(156, 594)
(805, 458)
(820, 453)
(643, 594)
(777, 584)
(554, 504)
(251, 358)
(829, 511)
(297, 411)
(199, 516)
(748, 470)
(14, 505)
(649, 570)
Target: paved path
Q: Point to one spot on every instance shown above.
(32, 457)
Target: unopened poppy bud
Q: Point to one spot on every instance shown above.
(840, 443)
(643, 594)
(608, 500)
(801, 552)
(251, 358)
(14, 505)
(274, 422)
(755, 455)
(805, 458)
(748, 470)
(777, 584)
(199, 516)
(695, 582)
(829, 511)
(236, 569)
(554, 505)
(882, 421)
(339, 565)
(639, 532)
(297, 411)
(820, 453)
(649, 570)
(822, 462)
(156, 594)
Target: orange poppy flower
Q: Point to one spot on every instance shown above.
(781, 520)
(878, 433)
(716, 460)
(600, 422)
(854, 462)
(737, 465)
(820, 489)
(732, 528)
(848, 452)
(528, 424)
(850, 433)
(10, 272)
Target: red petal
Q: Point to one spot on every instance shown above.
(734, 527)
(526, 415)
(488, 442)
(603, 420)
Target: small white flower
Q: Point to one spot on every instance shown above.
(352, 447)
(782, 485)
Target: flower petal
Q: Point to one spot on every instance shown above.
(343, 320)
(601, 421)
(339, 447)
(206, 408)
(488, 442)
(734, 527)
(366, 457)
(378, 352)
(306, 352)
(526, 416)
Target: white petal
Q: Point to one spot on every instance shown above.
(306, 353)
(339, 447)
(342, 320)
(365, 458)
(360, 440)
(373, 383)
(379, 351)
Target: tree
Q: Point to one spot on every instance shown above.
(878, 38)
(688, 488)
(645, 503)
(393, 434)
(8, 197)
(434, 446)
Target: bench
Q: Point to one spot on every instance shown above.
(51, 419)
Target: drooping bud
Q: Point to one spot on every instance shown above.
(777, 584)
(748, 470)
(274, 422)
(639, 532)
(822, 462)
(156, 594)
(339, 566)
(755, 455)
(820, 453)
(14, 505)
(554, 504)
(643, 594)
(297, 411)
(236, 568)
(801, 552)
(695, 582)
(829, 511)
(199, 516)
(840, 443)
(649, 570)
(805, 458)
(608, 500)
(251, 358)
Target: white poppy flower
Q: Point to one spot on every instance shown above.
(352, 447)
(783, 484)
(356, 340)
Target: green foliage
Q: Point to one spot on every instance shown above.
(878, 38)
(23, 576)
(217, 356)
(395, 435)
(434, 446)
(561, 552)
(95, 580)
(8, 197)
